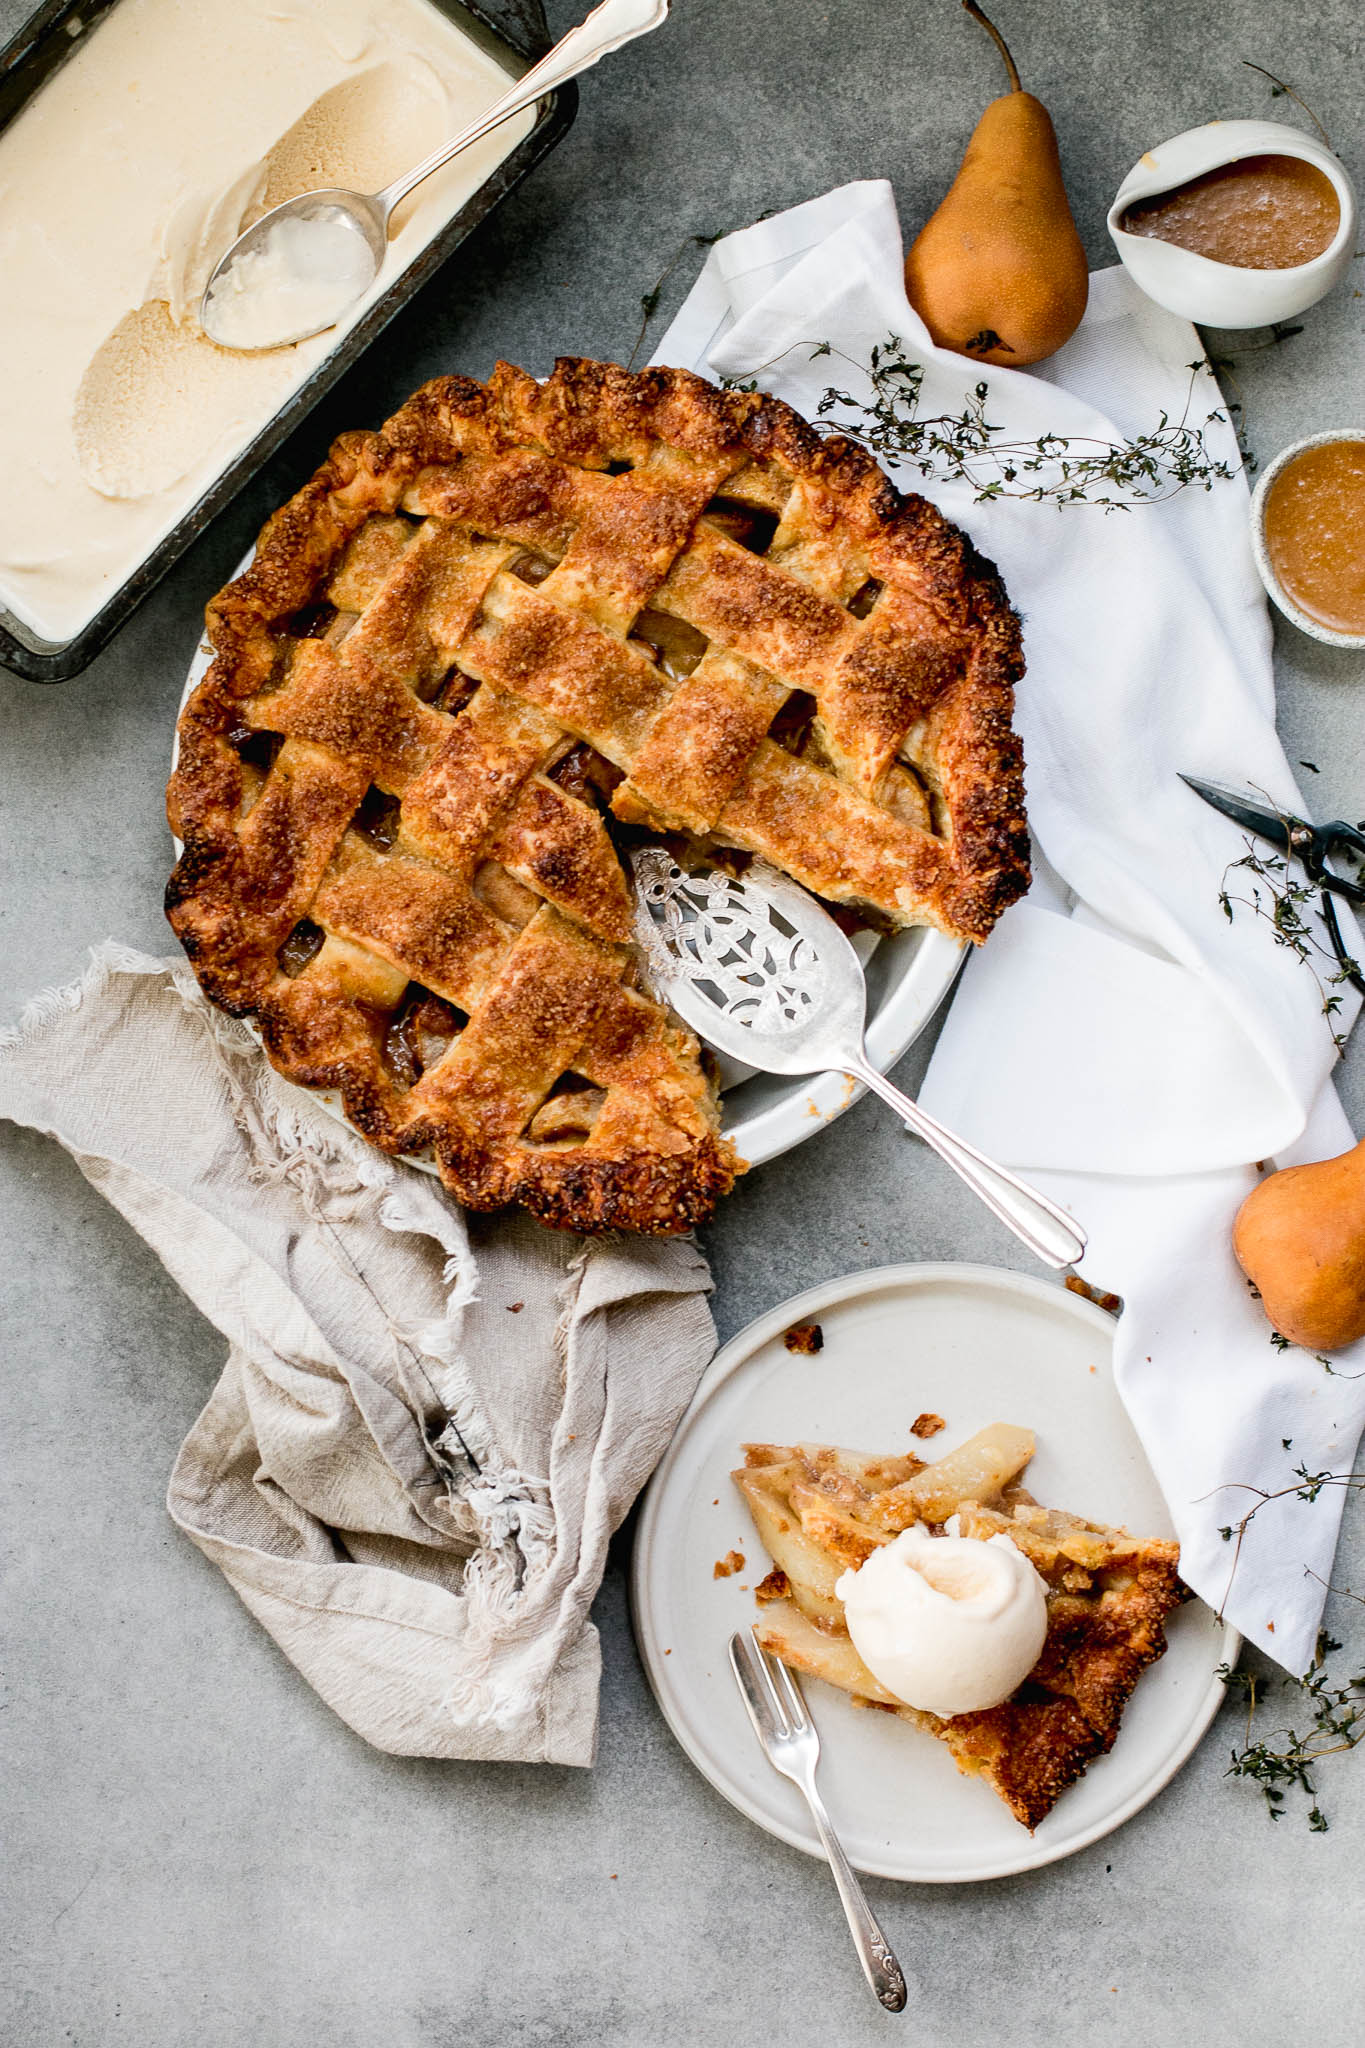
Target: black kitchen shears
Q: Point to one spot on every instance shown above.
(1312, 846)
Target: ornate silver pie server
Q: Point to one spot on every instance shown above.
(763, 973)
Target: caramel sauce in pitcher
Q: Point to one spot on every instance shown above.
(1260, 213)
(1315, 533)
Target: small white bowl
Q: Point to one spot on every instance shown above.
(1285, 603)
(1226, 294)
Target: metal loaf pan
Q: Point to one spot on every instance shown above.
(514, 30)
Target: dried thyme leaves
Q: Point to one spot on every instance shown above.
(649, 301)
(1285, 1760)
(1058, 469)
(1284, 902)
(1307, 1486)
(1334, 1372)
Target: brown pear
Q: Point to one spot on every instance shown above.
(1300, 1239)
(998, 273)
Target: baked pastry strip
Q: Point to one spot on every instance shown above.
(397, 861)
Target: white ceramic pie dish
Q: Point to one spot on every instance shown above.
(908, 976)
(975, 1345)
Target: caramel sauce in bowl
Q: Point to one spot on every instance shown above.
(1236, 224)
(1308, 534)
(1259, 213)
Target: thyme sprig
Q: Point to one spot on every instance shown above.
(1279, 90)
(1284, 1759)
(1283, 901)
(1279, 1342)
(1307, 1487)
(649, 301)
(1059, 469)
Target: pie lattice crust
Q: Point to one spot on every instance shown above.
(517, 611)
(823, 1511)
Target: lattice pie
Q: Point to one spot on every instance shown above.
(524, 618)
(821, 1512)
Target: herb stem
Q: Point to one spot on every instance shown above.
(1281, 88)
(1284, 909)
(649, 302)
(1284, 1758)
(1059, 469)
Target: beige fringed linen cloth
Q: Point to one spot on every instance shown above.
(426, 1431)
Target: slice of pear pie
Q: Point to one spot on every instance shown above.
(822, 1512)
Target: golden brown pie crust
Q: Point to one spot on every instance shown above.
(519, 602)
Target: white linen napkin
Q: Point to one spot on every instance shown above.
(1118, 1038)
(427, 1426)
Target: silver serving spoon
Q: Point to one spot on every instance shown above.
(341, 238)
(763, 973)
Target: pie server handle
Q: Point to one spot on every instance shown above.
(1050, 1234)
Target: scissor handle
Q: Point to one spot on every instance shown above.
(1340, 834)
(1338, 837)
(1349, 966)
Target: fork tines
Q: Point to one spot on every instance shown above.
(771, 1694)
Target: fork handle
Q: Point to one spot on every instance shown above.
(1050, 1234)
(880, 1967)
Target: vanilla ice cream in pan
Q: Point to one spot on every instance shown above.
(138, 139)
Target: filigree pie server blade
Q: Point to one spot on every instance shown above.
(760, 971)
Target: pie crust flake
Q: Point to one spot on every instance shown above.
(821, 1511)
(481, 646)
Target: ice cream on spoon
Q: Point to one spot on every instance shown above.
(296, 270)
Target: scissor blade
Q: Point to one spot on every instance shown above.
(1251, 816)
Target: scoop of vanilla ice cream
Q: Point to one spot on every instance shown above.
(950, 1624)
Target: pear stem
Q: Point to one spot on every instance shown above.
(1001, 45)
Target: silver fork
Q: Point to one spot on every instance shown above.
(791, 1743)
(762, 972)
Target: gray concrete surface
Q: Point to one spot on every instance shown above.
(198, 1855)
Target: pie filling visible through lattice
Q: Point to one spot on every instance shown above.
(479, 647)
(822, 1511)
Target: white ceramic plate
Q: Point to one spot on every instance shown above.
(908, 975)
(974, 1345)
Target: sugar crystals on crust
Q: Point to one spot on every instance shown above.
(519, 619)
